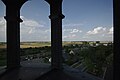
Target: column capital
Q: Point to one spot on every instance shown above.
(13, 19)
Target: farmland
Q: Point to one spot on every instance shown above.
(34, 44)
(42, 44)
(94, 56)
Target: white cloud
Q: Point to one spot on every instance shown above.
(100, 33)
(67, 30)
(2, 21)
(2, 24)
(30, 22)
(2, 29)
(69, 36)
(72, 30)
(64, 37)
(97, 30)
(72, 25)
(48, 30)
(33, 30)
(29, 26)
(75, 31)
(110, 30)
(73, 36)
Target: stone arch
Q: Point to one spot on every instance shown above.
(2, 36)
(13, 34)
(39, 20)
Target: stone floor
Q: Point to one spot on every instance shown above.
(33, 70)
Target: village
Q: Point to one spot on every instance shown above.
(86, 56)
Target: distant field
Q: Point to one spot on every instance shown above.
(2, 45)
(34, 44)
(29, 44)
(71, 42)
(41, 44)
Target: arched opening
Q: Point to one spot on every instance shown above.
(88, 35)
(89, 32)
(35, 34)
(2, 37)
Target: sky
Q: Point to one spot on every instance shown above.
(85, 20)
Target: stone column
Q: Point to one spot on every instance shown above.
(116, 21)
(56, 17)
(13, 32)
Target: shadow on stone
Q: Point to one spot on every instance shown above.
(56, 75)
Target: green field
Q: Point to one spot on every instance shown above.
(34, 44)
(29, 44)
(94, 58)
(42, 44)
(39, 44)
(2, 45)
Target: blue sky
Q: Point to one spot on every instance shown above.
(88, 20)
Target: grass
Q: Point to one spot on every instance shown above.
(39, 44)
(2, 46)
(35, 44)
(29, 44)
